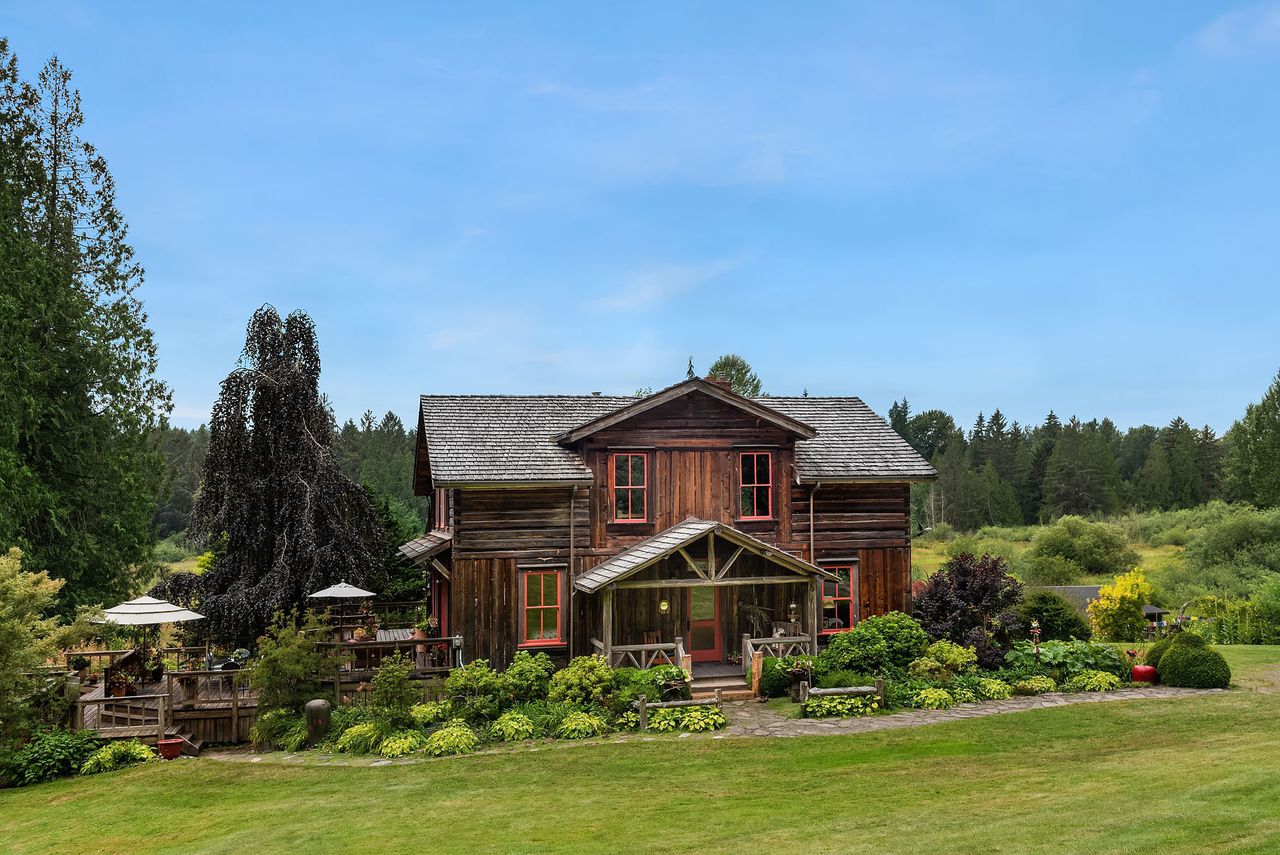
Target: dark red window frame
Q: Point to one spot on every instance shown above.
(831, 591)
(629, 489)
(536, 616)
(751, 488)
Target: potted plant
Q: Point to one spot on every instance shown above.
(170, 749)
(80, 664)
(117, 685)
(798, 671)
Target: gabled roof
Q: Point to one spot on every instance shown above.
(511, 439)
(423, 549)
(679, 390)
(653, 549)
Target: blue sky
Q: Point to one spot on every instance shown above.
(968, 204)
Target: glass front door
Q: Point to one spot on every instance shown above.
(704, 643)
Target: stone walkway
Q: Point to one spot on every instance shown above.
(751, 718)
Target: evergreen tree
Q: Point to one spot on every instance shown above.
(900, 419)
(80, 406)
(1080, 476)
(1152, 490)
(1209, 462)
(1134, 447)
(1253, 473)
(688, 374)
(1186, 486)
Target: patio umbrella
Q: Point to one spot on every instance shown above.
(342, 591)
(148, 611)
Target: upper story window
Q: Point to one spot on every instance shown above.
(629, 477)
(442, 509)
(756, 483)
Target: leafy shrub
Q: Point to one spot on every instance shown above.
(528, 677)
(990, 689)
(968, 599)
(454, 738)
(1059, 620)
(429, 713)
(951, 658)
(1234, 621)
(664, 720)
(394, 689)
(582, 725)
(117, 755)
(774, 683)
(290, 669)
(629, 720)
(1116, 612)
(512, 727)
(1097, 548)
(838, 707)
(701, 719)
(844, 680)
(1037, 685)
(631, 683)
(933, 699)
(1065, 659)
(1155, 651)
(1092, 681)
(586, 681)
(876, 645)
(343, 717)
(545, 715)
(402, 743)
(1233, 555)
(53, 754)
(1035, 569)
(475, 690)
(963, 695)
(1193, 666)
(282, 729)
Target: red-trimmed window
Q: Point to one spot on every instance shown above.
(541, 607)
(756, 482)
(630, 486)
(837, 600)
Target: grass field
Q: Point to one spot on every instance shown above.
(1189, 775)
(928, 555)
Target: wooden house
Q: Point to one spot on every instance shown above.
(689, 523)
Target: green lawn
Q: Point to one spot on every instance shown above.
(1189, 775)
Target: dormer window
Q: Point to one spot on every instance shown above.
(629, 477)
(756, 485)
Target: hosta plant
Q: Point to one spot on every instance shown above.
(934, 699)
(454, 738)
(990, 689)
(512, 727)
(701, 719)
(1092, 681)
(117, 755)
(1037, 685)
(839, 707)
(432, 712)
(582, 725)
(403, 743)
(664, 720)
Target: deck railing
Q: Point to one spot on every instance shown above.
(787, 645)
(131, 715)
(643, 655)
(389, 615)
(429, 655)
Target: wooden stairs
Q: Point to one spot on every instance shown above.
(732, 688)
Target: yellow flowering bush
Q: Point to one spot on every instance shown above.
(1116, 614)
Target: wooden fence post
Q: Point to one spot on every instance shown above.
(880, 691)
(644, 713)
(235, 707)
(757, 671)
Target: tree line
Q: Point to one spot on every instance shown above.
(1004, 473)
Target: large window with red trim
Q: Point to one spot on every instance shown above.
(630, 486)
(541, 607)
(756, 482)
(837, 600)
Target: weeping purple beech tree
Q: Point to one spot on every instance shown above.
(281, 517)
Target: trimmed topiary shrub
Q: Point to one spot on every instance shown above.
(773, 682)
(1194, 667)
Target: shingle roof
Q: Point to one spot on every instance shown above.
(421, 549)
(664, 543)
(509, 438)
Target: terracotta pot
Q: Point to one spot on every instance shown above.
(1144, 674)
(170, 749)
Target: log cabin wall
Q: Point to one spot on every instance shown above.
(869, 522)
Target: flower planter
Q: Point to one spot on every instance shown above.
(1144, 674)
(170, 749)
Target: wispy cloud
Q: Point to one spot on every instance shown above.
(658, 284)
(1244, 32)
(476, 327)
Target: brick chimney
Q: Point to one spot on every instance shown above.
(722, 382)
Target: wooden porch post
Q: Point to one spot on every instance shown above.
(607, 624)
(815, 594)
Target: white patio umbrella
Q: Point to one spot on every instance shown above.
(342, 591)
(148, 611)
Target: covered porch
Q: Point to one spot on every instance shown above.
(704, 596)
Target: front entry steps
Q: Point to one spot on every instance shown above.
(732, 687)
